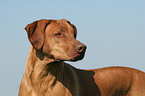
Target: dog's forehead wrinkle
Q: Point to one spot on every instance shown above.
(52, 28)
(60, 26)
(65, 27)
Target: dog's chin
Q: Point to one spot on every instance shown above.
(77, 59)
(72, 59)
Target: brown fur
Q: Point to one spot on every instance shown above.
(53, 41)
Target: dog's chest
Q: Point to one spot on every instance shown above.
(58, 90)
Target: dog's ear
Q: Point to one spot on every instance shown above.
(74, 27)
(35, 32)
(75, 30)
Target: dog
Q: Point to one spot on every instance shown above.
(46, 73)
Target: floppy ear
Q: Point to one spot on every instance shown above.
(35, 32)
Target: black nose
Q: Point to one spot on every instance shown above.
(81, 48)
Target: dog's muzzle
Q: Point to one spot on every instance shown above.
(81, 49)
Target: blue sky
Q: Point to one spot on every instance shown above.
(113, 30)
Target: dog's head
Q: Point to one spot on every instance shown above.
(56, 39)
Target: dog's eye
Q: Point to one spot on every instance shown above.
(58, 34)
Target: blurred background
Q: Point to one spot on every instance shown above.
(113, 30)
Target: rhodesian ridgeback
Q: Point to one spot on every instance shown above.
(46, 73)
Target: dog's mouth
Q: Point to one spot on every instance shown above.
(77, 57)
(74, 58)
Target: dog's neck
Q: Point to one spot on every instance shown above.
(44, 75)
(41, 71)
